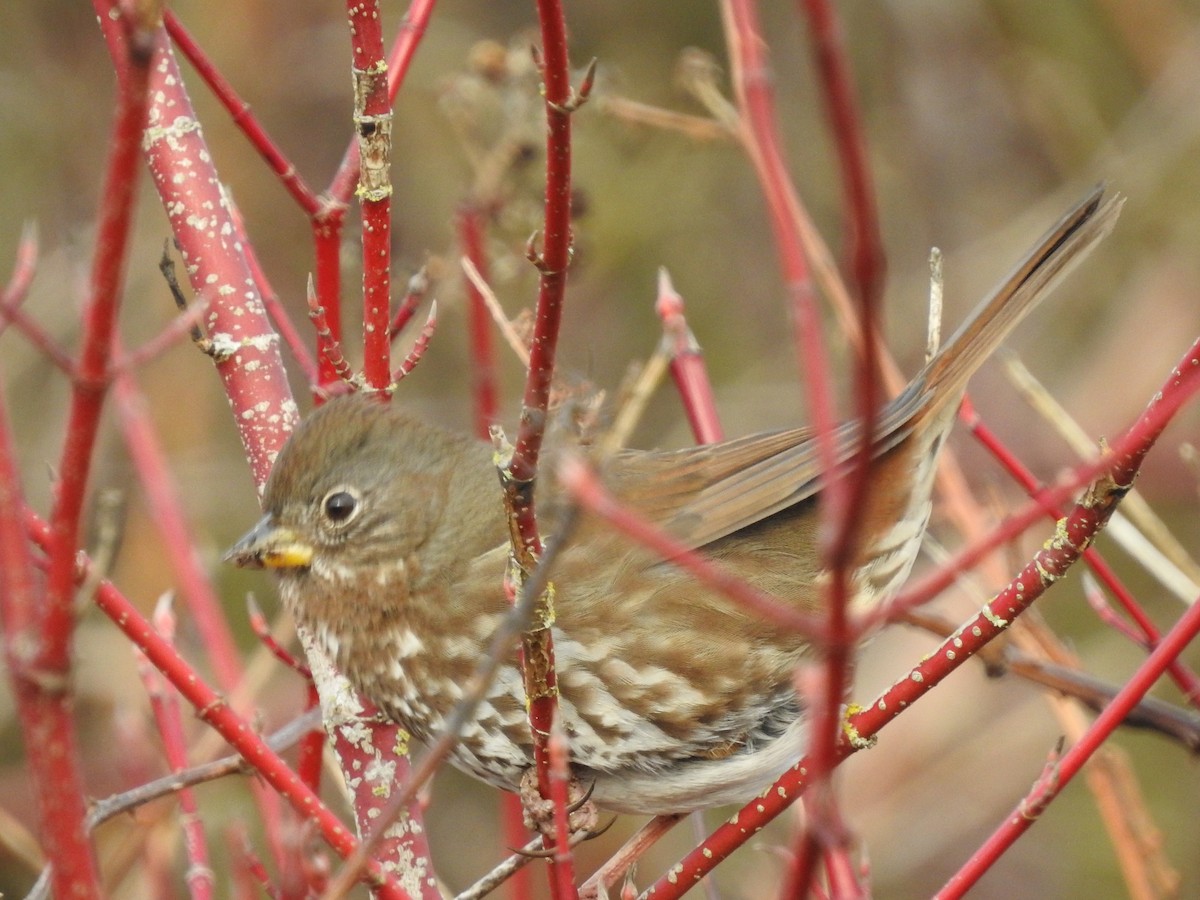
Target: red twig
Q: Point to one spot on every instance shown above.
(1180, 673)
(687, 364)
(262, 631)
(178, 328)
(150, 464)
(840, 498)
(413, 295)
(1019, 821)
(212, 709)
(329, 348)
(1074, 532)
(1107, 615)
(24, 267)
(471, 226)
(270, 299)
(373, 123)
(165, 706)
(39, 630)
(327, 258)
(417, 353)
(519, 472)
(560, 782)
(247, 348)
(254, 877)
(41, 697)
(239, 111)
(408, 38)
(327, 224)
(864, 246)
(14, 295)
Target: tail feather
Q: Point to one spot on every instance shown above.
(1059, 250)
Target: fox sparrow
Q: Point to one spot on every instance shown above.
(389, 542)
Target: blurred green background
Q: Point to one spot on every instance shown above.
(984, 119)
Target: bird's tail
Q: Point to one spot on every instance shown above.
(1064, 245)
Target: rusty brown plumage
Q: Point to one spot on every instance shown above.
(389, 542)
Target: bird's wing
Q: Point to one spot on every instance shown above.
(701, 494)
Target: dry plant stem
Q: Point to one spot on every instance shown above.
(242, 116)
(1135, 507)
(507, 331)
(373, 123)
(472, 230)
(696, 128)
(1073, 534)
(1019, 821)
(1180, 673)
(687, 364)
(165, 705)
(509, 870)
(1067, 680)
(212, 709)
(107, 808)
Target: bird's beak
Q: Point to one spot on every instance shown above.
(270, 546)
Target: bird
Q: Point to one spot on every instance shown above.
(389, 542)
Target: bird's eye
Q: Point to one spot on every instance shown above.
(340, 505)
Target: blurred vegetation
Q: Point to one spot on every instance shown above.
(985, 118)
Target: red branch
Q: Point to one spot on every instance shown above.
(1026, 813)
(840, 499)
(212, 708)
(39, 626)
(1074, 533)
(246, 345)
(517, 476)
(1149, 634)
(373, 122)
(239, 111)
(687, 364)
(42, 701)
(864, 245)
(471, 226)
(150, 464)
(165, 705)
